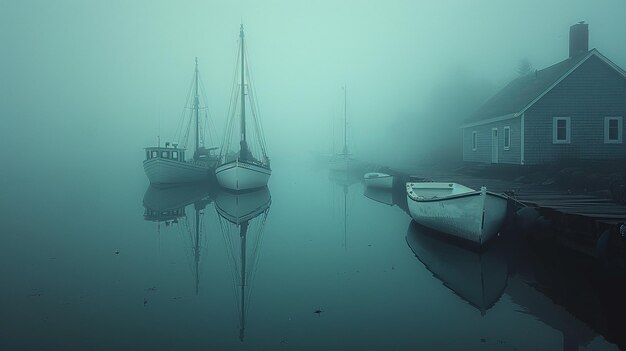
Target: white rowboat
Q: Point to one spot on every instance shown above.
(378, 180)
(457, 210)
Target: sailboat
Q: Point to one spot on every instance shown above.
(166, 165)
(243, 216)
(248, 167)
(342, 161)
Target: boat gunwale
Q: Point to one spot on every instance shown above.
(411, 195)
(235, 163)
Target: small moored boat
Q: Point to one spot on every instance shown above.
(378, 180)
(454, 209)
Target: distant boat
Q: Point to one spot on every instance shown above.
(457, 210)
(343, 161)
(242, 218)
(243, 162)
(378, 180)
(168, 165)
(479, 278)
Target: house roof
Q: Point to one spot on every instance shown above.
(523, 92)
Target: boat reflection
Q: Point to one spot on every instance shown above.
(569, 292)
(478, 278)
(345, 179)
(167, 205)
(242, 217)
(384, 196)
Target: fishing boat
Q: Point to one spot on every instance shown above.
(454, 209)
(243, 161)
(378, 180)
(479, 278)
(168, 164)
(242, 217)
(343, 161)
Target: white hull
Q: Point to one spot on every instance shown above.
(471, 215)
(378, 180)
(162, 171)
(238, 175)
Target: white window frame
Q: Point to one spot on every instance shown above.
(568, 130)
(620, 129)
(507, 130)
(474, 140)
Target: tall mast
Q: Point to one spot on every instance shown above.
(197, 248)
(345, 120)
(243, 93)
(242, 237)
(196, 108)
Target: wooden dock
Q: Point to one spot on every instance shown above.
(588, 222)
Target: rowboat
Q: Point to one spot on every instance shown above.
(454, 209)
(378, 180)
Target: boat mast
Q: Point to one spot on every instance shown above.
(244, 145)
(196, 108)
(197, 248)
(242, 237)
(345, 120)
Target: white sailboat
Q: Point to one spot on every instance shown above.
(342, 161)
(242, 218)
(166, 165)
(243, 162)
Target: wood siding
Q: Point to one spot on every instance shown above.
(589, 94)
(483, 150)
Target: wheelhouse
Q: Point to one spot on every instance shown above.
(168, 153)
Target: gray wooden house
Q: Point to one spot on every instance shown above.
(572, 110)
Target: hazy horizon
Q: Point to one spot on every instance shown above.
(109, 77)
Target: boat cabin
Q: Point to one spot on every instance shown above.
(169, 153)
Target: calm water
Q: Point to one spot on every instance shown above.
(85, 266)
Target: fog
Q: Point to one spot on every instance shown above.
(98, 81)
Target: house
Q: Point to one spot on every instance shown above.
(572, 110)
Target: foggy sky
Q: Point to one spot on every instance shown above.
(106, 77)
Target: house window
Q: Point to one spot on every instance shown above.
(507, 138)
(154, 154)
(561, 130)
(613, 130)
(165, 154)
(474, 141)
(175, 155)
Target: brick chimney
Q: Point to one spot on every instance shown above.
(578, 39)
